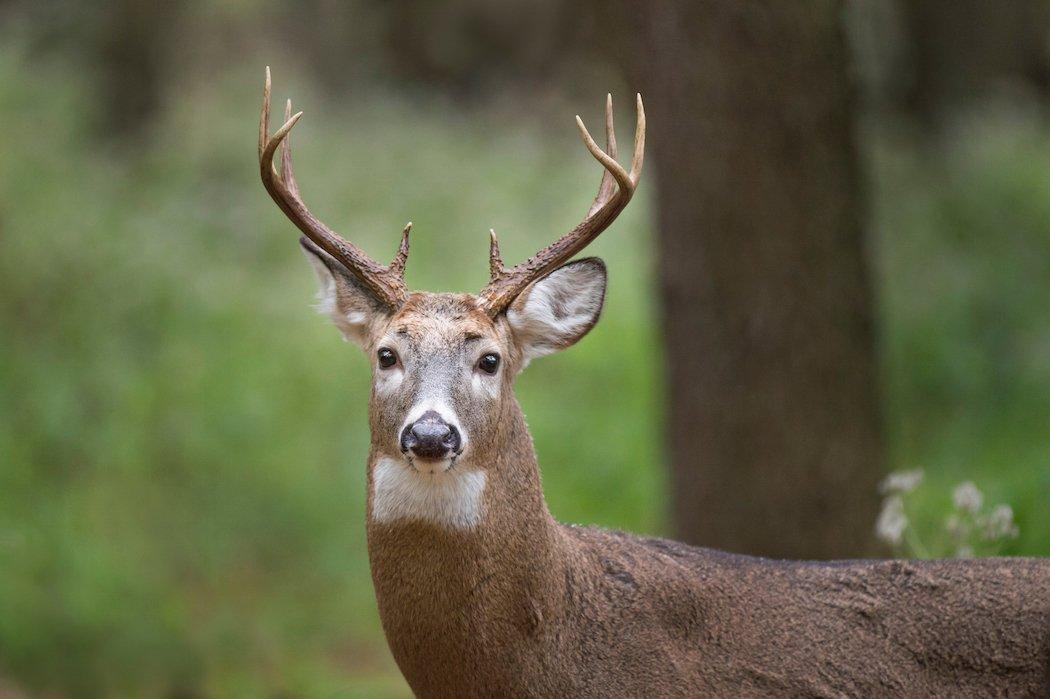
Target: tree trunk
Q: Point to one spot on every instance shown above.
(774, 427)
(130, 49)
(964, 50)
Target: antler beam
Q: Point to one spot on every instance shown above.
(616, 189)
(387, 283)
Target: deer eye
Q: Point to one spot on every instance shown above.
(387, 358)
(489, 363)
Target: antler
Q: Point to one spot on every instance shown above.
(617, 187)
(386, 282)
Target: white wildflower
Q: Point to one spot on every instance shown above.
(999, 524)
(901, 482)
(967, 497)
(956, 527)
(892, 521)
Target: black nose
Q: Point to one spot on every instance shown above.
(430, 437)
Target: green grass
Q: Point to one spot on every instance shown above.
(182, 439)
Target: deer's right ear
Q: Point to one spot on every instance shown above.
(341, 297)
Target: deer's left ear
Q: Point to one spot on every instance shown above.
(556, 311)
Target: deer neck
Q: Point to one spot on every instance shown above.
(444, 585)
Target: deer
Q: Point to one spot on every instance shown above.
(482, 593)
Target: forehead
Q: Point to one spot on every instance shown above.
(441, 320)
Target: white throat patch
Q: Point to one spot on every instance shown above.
(452, 500)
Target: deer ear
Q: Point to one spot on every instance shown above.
(554, 312)
(341, 297)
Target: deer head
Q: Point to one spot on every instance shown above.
(443, 364)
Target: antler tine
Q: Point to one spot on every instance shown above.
(607, 186)
(401, 258)
(386, 282)
(495, 261)
(506, 284)
(611, 166)
(287, 174)
(639, 140)
(264, 116)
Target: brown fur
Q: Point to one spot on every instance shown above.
(524, 606)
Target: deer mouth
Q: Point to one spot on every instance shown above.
(431, 467)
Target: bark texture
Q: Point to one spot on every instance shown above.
(768, 321)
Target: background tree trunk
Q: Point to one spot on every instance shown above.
(131, 46)
(774, 426)
(963, 51)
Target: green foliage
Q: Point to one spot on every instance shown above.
(182, 440)
(963, 251)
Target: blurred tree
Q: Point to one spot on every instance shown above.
(961, 51)
(774, 427)
(131, 46)
(341, 40)
(469, 46)
(122, 47)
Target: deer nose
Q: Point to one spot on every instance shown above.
(430, 437)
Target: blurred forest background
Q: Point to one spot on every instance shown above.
(182, 440)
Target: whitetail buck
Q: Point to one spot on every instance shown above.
(482, 593)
